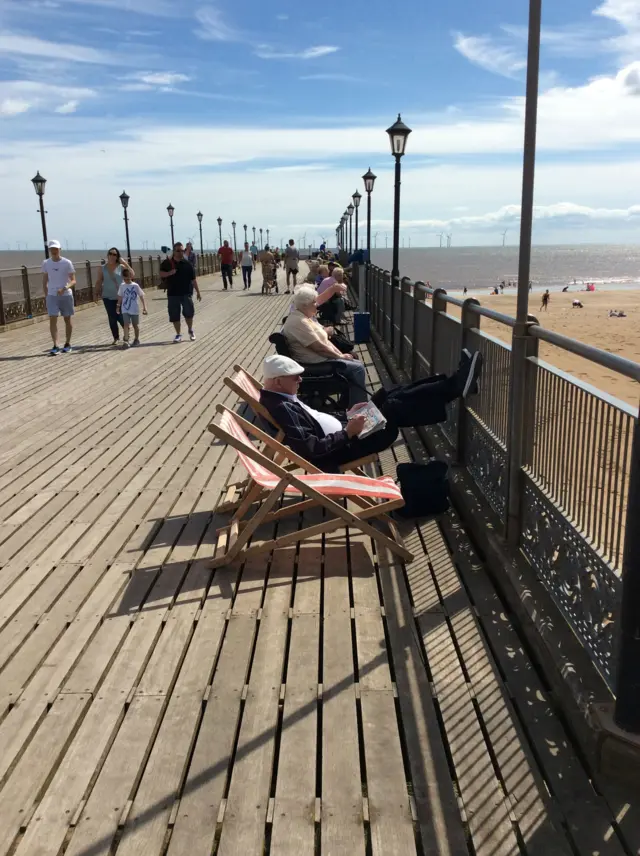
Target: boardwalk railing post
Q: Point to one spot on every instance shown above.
(393, 282)
(415, 360)
(3, 317)
(141, 271)
(87, 267)
(469, 320)
(627, 709)
(405, 288)
(437, 305)
(27, 292)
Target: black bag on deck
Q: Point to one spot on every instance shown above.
(424, 488)
(344, 345)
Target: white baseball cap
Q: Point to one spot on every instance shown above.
(54, 245)
(278, 366)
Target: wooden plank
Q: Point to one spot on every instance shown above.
(293, 831)
(342, 824)
(439, 821)
(245, 816)
(17, 797)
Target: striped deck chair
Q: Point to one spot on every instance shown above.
(374, 498)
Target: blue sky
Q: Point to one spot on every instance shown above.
(269, 114)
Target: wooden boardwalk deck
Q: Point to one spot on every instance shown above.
(325, 701)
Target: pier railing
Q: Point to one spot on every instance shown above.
(561, 490)
(22, 296)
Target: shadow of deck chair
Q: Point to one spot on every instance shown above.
(374, 498)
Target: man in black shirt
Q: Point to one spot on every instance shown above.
(180, 281)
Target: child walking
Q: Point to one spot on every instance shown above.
(128, 295)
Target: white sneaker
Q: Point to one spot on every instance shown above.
(177, 339)
(192, 335)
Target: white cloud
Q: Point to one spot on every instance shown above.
(137, 87)
(489, 54)
(267, 52)
(67, 107)
(163, 8)
(20, 96)
(14, 43)
(282, 17)
(624, 12)
(161, 78)
(14, 106)
(213, 27)
(337, 76)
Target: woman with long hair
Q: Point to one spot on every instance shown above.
(107, 285)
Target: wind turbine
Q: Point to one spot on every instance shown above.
(441, 236)
(504, 236)
(449, 236)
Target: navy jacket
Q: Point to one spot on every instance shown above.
(302, 433)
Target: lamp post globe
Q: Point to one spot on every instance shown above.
(235, 246)
(398, 135)
(350, 210)
(245, 233)
(357, 197)
(39, 185)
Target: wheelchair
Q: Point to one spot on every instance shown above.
(322, 387)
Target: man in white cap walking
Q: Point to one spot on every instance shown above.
(325, 442)
(58, 278)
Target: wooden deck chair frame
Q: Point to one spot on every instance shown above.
(232, 500)
(237, 538)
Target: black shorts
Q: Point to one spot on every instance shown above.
(177, 303)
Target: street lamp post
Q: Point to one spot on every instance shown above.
(267, 236)
(38, 185)
(220, 229)
(398, 134)
(357, 196)
(235, 246)
(170, 211)
(245, 233)
(254, 235)
(200, 215)
(369, 180)
(350, 210)
(124, 199)
(261, 238)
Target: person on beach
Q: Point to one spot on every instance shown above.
(269, 277)
(253, 249)
(226, 258)
(546, 297)
(107, 285)
(58, 280)
(180, 281)
(246, 263)
(291, 264)
(130, 296)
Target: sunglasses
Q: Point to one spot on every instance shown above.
(114, 254)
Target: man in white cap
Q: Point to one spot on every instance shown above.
(325, 442)
(58, 278)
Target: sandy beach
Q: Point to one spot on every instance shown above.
(591, 325)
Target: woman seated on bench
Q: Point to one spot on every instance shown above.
(326, 443)
(309, 343)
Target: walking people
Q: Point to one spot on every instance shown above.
(254, 253)
(107, 285)
(269, 279)
(129, 307)
(180, 281)
(190, 256)
(58, 279)
(226, 258)
(246, 263)
(291, 262)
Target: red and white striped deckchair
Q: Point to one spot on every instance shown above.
(374, 498)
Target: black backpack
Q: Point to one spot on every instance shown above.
(424, 488)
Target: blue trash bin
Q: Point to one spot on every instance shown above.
(361, 327)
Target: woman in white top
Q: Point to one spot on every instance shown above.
(246, 263)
